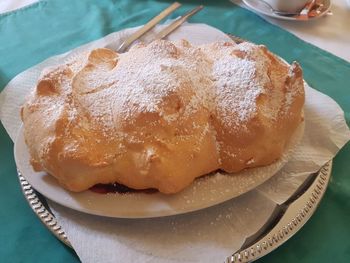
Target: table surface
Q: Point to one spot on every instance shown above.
(330, 33)
(23, 237)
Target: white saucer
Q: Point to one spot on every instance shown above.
(260, 8)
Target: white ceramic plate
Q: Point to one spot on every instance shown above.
(261, 8)
(203, 193)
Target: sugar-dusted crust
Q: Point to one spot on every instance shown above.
(161, 115)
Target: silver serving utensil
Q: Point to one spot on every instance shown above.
(166, 31)
(286, 219)
(296, 216)
(278, 213)
(148, 26)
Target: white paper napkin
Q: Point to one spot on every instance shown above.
(208, 235)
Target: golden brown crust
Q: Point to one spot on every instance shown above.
(163, 114)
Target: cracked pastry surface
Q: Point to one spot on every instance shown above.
(162, 114)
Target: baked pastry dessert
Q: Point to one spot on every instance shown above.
(162, 114)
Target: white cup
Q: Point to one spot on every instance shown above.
(287, 5)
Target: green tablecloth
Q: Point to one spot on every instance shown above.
(32, 34)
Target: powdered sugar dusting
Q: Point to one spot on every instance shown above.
(143, 79)
(235, 90)
(223, 78)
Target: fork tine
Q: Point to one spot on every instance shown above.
(154, 21)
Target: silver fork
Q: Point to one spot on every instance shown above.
(154, 21)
